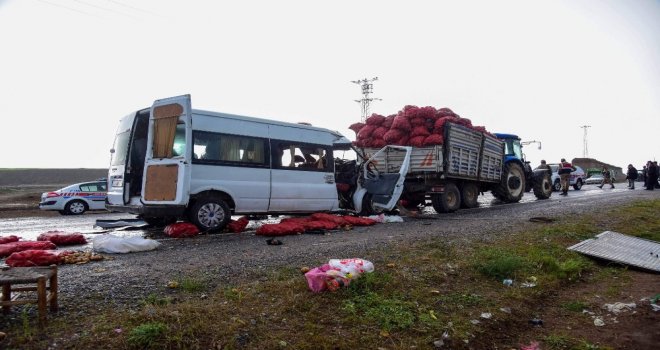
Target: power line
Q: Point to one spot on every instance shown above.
(585, 149)
(105, 9)
(367, 88)
(70, 9)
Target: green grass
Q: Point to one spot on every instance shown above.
(147, 335)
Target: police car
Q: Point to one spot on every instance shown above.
(577, 177)
(76, 199)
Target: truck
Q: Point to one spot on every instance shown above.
(452, 175)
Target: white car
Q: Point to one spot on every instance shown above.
(76, 199)
(595, 179)
(577, 178)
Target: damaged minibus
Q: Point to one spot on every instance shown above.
(171, 162)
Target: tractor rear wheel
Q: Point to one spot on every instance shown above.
(542, 186)
(512, 186)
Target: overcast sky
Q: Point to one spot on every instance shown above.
(70, 69)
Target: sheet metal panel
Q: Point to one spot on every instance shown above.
(422, 159)
(464, 151)
(491, 163)
(622, 248)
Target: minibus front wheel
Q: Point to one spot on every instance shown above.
(210, 213)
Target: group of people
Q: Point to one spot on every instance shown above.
(650, 174)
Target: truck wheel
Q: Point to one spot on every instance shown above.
(210, 214)
(75, 208)
(447, 202)
(557, 185)
(512, 187)
(543, 186)
(368, 206)
(469, 196)
(578, 185)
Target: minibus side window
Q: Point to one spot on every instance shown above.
(214, 148)
(291, 155)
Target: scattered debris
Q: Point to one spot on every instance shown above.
(337, 273)
(622, 248)
(598, 322)
(304, 269)
(537, 322)
(508, 282)
(81, 257)
(172, 284)
(532, 346)
(475, 322)
(506, 310)
(486, 315)
(273, 241)
(120, 223)
(542, 219)
(617, 308)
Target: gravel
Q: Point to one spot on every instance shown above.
(225, 259)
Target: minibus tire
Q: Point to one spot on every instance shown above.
(200, 210)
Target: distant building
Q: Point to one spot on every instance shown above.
(591, 166)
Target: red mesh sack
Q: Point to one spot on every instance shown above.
(427, 112)
(33, 257)
(356, 221)
(281, 229)
(440, 123)
(375, 120)
(239, 225)
(445, 112)
(13, 247)
(403, 141)
(379, 132)
(420, 131)
(417, 121)
(356, 127)
(60, 238)
(393, 135)
(417, 141)
(181, 229)
(402, 123)
(464, 121)
(387, 123)
(329, 217)
(480, 128)
(410, 111)
(365, 132)
(301, 221)
(433, 139)
(9, 239)
(342, 187)
(378, 143)
(320, 225)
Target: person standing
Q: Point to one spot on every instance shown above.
(657, 174)
(631, 176)
(607, 178)
(544, 166)
(564, 171)
(651, 175)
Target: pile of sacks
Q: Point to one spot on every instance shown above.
(41, 252)
(411, 126)
(317, 221)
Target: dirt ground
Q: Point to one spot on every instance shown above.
(633, 329)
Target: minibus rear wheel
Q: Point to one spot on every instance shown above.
(210, 213)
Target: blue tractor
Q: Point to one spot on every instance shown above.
(518, 176)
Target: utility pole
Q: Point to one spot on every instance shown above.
(367, 88)
(585, 149)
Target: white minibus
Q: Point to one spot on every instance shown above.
(171, 162)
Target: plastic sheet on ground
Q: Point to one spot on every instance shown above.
(382, 218)
(622, 248)
(113, 244)
(120, 223)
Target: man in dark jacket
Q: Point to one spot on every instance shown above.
(564, 171)
(631, 176)
(651, 175)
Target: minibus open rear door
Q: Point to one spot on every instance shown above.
(166, 179)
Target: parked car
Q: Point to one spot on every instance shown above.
(76, 199)
(577, 178)
(594, 179)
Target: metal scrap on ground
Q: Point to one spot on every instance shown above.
(623, 249)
